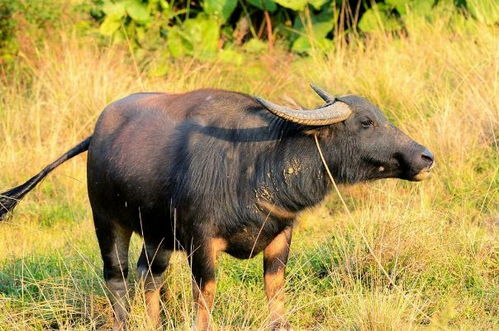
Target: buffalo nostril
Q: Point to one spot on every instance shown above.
(427, 156)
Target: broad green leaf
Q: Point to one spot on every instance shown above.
(203, 33)
(110, 25)
(301, 45)
(322, 23)
(371, 20)
(422, 7)
(198, 37)
(417, 7)
(164, 4)
(306, 45)
(154, 3)
(297, 5)
(230, 56)
(115, 10)
(255, 46)
(317, 4)
(321, 29)
(119, 36)
(268, 5)
(395, 3)
(324, 44)
(177, 44)
(378, 19)
(220, 8)
(485, 11)
(137, 10)
(140, 32)
(313, 33)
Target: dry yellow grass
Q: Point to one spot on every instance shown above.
(436, 240)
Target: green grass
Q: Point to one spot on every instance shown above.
(409, 256)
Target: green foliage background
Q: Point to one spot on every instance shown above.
(225, 29)
(201, 28)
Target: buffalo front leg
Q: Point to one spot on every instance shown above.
(153, 261)
(275, 257)
(202, 260)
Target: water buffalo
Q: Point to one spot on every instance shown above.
(213, 171)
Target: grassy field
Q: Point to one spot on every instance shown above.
(407, 256)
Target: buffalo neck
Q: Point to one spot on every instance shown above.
(292, 174)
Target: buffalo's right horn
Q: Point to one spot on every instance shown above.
(329, 114)
(323, 94)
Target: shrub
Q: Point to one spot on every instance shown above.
(201, 28)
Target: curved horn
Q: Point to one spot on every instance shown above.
(323, 94)
(328, 114)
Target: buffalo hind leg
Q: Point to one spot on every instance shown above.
(275, 257)
(153, 261)
(114, 241)
(202, 259)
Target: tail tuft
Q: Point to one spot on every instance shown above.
(9, 199)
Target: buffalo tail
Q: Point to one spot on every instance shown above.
(10, 198)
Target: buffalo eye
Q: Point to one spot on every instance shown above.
(367, 123)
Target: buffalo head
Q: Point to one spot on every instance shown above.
(358, 141)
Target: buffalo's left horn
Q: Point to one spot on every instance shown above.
(329, 114)
(323, 94)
